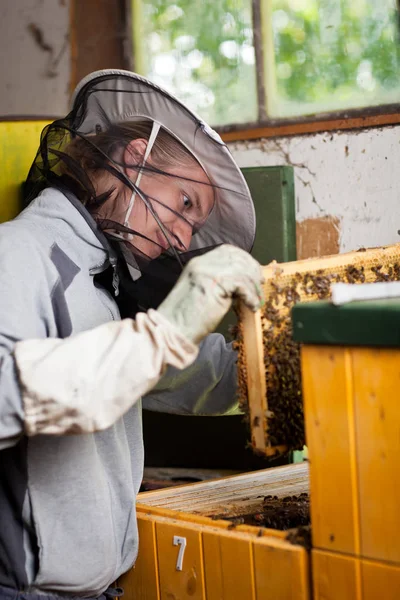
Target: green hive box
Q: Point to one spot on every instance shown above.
(272, 190)
(362, 323)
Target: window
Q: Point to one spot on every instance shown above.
(253, 61)
(202, 51)
(331, 55)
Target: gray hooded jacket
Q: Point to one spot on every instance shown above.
(67, 502)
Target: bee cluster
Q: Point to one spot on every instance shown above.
(281, 513)
(238, 344)
(284, 416)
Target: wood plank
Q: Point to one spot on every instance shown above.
(334, 262)
(141, 582)
(192, 475)
(189, 581)
(281, 571)
(231, 495)
(256, 384)
(376, 391)
(255, 531)
(329, 417)
(302, 127)
(335, 576)
(380, 580)
(98, 31)
(228, 566)
(181, 516)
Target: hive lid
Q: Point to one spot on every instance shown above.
(365, 323)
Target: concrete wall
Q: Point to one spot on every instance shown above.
(347, 186)
(35, 57)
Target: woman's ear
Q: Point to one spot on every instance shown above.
(134, 155)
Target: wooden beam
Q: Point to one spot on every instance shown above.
(99, 36)
(304, 128)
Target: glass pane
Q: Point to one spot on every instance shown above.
(330, 55)
(201, 51)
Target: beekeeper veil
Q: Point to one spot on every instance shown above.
(103, 104)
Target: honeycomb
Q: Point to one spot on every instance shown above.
(269, 373)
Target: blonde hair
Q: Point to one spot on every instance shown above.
(89, 157)
(167, 151)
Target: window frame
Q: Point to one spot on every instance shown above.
(265, 127)
(362, 118)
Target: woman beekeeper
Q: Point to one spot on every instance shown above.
(124, 191)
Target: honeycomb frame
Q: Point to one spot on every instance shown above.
(269, 374)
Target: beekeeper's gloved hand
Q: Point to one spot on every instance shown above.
(203, 293)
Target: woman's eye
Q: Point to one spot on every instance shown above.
(187, 201)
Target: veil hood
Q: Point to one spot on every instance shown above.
(116, 96)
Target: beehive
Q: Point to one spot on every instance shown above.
(269, 360)
(350, 358)
(186, 552)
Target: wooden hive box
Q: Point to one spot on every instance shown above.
(351, 379)
(188, 553)
(269, 359)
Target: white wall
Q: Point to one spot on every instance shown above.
(353, 176)
(35, 57)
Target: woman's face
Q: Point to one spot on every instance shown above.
(181, 205)
(182, 197)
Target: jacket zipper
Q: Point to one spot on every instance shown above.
(115, 278)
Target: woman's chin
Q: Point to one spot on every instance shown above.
(155, 252)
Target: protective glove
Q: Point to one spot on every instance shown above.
(203, 293)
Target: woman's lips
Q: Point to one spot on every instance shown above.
(162, 241)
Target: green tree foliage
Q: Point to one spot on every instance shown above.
(336, 54)
(207, 48)
(327, 55)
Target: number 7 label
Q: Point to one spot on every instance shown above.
(181, 542)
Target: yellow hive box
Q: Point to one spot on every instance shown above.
(186, 554)
(351, 376)
(340, 577)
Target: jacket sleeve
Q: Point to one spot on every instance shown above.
(79, 384)
(22, 314)
(207, 387)
(86, 382)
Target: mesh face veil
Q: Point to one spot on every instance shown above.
(180, 195)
